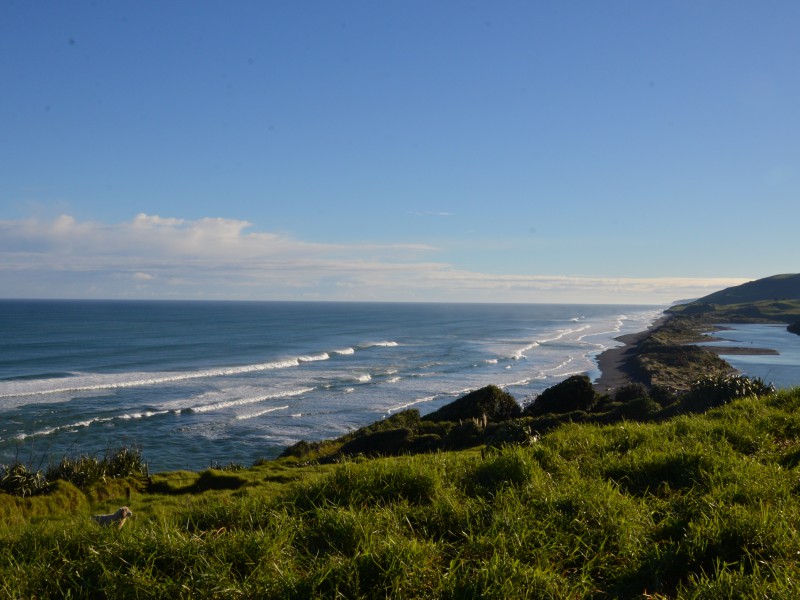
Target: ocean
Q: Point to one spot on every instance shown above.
(196, 383)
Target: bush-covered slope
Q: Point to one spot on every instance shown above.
(573, 400)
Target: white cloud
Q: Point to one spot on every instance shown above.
(139, 276)
(224, 258)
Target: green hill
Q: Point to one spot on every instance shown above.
(776, 287)
(775, 299)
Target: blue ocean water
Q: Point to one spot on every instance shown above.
(782, 369)
(195, 382)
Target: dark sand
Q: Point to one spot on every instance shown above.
(612, 363)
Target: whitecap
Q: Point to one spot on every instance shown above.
(146, 414)
(313, 357)
(72, 427)
(406, 405)
(90, 382)
(248, 400)
(261, 412)
(384, 344)
(520, 354)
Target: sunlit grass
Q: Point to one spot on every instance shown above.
(699, 506)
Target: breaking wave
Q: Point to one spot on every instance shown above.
(244, 401)
(261, 412)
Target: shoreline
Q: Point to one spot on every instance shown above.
(613, 363)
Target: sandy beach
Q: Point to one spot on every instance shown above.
(612, 363)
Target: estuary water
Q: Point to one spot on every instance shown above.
(781, 369)
(194, 382)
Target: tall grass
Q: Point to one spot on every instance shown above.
(700, 506)
(83, 471)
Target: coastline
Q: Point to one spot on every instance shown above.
(614, 362)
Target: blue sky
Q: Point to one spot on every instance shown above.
(472, 151)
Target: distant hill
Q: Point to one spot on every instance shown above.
(775, 298)
(777, 287)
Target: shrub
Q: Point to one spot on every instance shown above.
(408, 418)
(715, 391)
(84, 471)
(386, 442)
(630, 391)
(125, 462)
(637, 409)
(464, 435)
(427, 442)
(19, 480)
(490, 402)
(299, 449)
(663, 395)
(81, 472)
(518, 431)
(572, 394)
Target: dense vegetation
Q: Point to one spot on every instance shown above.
(701, 505)
(83, 472)
(492, 417)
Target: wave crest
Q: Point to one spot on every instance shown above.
(244, 401)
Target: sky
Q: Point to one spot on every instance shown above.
(506, 151)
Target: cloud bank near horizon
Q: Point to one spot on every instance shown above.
(155, 257)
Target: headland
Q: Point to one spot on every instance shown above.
(667, 353)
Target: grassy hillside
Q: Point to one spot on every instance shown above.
(777, 287)
(699, 506)
(775, 299)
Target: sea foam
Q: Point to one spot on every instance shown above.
(243, 401)
(261, 412)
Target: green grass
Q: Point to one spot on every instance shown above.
(698, 506)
